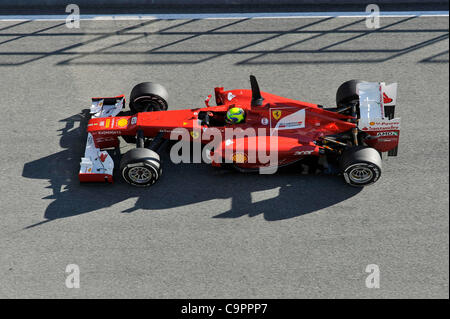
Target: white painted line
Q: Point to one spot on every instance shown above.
(280, 15)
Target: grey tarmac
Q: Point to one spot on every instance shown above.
(202, 232)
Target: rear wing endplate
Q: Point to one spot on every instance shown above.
(377, 102)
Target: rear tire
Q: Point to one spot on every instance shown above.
(140, 167)
(361, 166)
(347, 93)
(148, 97)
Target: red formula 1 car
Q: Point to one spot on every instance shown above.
(276, 131)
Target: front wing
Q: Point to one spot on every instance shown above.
(97, 165)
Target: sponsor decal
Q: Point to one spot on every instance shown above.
(303, 152)
(391, 133)
(106, 132)
(230, 96)
(133, 120)
(240, 158)
(177, 129)
(385, 140)
(384, 128)
(289, 125)
(383, 125)
(264, 121)
(276, 114)
(386, 99)
(102, 123)
(108, 121)
(292, 121)
(122, 122)
(195, 134)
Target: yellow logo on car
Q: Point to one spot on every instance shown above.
(240, 158)
(122, 123)
(195, 134)
(276, 114)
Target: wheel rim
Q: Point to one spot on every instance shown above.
(144, 105)
(360, 175)
(148, 103)
(140, 175)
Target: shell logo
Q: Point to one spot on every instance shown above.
(240, 158)
(122, 123)
(372, 123)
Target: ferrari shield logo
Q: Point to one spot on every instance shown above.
(276, 114)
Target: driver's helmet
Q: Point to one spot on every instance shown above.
(235, 115)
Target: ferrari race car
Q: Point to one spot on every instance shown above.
(276, 131)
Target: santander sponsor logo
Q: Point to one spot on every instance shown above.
(393, 125)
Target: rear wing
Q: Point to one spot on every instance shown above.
(97, 165)
(377, 103)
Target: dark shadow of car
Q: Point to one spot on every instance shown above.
(289, 195)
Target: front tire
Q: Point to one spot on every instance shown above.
(140, 167)
(361, 166)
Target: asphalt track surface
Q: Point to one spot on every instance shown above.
(202, 232)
